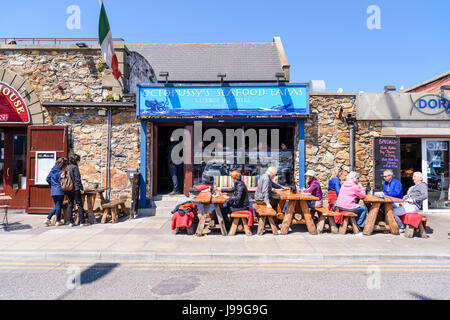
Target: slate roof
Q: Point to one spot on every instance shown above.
(201, 62)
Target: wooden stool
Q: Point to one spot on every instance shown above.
(410, 230)
(237, 216)
(265, 215)
(325, 214)
(348, 215)
(112, 208)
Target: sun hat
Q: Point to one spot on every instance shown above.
(311, 173)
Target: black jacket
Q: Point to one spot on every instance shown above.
(239, 199)
(76, 177)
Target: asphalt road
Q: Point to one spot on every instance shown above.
(55, 281)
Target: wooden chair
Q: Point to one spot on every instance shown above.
(112, 208)
(237, 217)
(265, 215)
(410, 230)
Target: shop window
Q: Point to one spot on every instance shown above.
(437, 175)
(274, 147)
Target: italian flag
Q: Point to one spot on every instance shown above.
(105, 39)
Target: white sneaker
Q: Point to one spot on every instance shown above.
(401, 230)
(71, 224)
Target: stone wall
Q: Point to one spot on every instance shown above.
(327, 139)
(69, 74)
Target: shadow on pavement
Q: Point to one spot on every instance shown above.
(90, 275)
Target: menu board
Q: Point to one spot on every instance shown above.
(45, 160)
(386, 156)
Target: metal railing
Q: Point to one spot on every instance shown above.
(52, 40)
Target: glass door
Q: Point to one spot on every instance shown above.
(435, 168)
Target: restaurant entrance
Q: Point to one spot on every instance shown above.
(13, 157)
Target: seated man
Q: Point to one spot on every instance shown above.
(265, 186)
(391, 186)
(413, 200)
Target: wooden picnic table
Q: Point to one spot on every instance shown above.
(89, 196)
(206, 200)
(371, 219)
(298, 205)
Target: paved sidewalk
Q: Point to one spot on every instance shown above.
(149, 239)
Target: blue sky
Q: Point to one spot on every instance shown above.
(323, 39)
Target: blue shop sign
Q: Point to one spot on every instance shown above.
(222, 100)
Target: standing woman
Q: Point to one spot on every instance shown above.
(78, 190)
(57, 193)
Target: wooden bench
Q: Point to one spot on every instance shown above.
(410, 230)
(324, 214)
(112, 208)
(265, 215)
(237, 217)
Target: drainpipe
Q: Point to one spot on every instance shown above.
(108, 159)
(351, 122)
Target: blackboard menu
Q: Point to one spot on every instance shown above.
(386, 156)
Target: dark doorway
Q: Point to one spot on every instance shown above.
(411, 160)
(165, 184)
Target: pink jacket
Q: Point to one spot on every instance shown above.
(348, 194)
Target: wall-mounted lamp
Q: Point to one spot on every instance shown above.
(221, 76)
(389, 88)
(164, 74)
(279, 75)
(81, 45)
(444, 88)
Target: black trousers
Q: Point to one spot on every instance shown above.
(176, 174)
(75, 196)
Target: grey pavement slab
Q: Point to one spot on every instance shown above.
(149, 239)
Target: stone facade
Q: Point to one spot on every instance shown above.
(327, 139)
(69, 74)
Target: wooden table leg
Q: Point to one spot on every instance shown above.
(333, 226)
(90, 204)
(287, 221)
(273, 226)
(371, 218)
(391, 219)
(201, 223)
(308, 217)
(261, 225)
(321, 223)
(221, 221)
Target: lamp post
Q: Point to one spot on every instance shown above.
(389, 88)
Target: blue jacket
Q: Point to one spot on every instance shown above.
(393, 189)
(54, 180)
(334, 184)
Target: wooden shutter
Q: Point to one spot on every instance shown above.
(43, 138)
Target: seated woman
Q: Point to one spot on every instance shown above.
(413, 200)
(238, 201)
(314, 189)
(334, 186)
(265, 186)
(349, 195)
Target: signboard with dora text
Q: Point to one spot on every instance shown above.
(222, 100)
